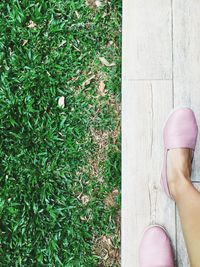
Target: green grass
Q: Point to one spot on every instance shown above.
(59, 166)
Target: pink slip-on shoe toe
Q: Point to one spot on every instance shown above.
(155, 248)
(180, 131)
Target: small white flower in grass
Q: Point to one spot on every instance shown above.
(31, 25)
(61, 102)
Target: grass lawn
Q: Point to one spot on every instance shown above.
(60, 132)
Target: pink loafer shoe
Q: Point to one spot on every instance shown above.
(180, 131)
(155, 248)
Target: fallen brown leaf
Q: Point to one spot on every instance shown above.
(108, 254)
(93, 3)
(85, 199)
(106, 63)
(101, 88)
(88, 81)
(110, 199)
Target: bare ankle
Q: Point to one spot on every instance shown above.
(179, 170)
(179, 187)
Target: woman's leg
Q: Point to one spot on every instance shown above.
(187, 199)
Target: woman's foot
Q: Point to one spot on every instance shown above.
(180, 135)
(155, 248)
